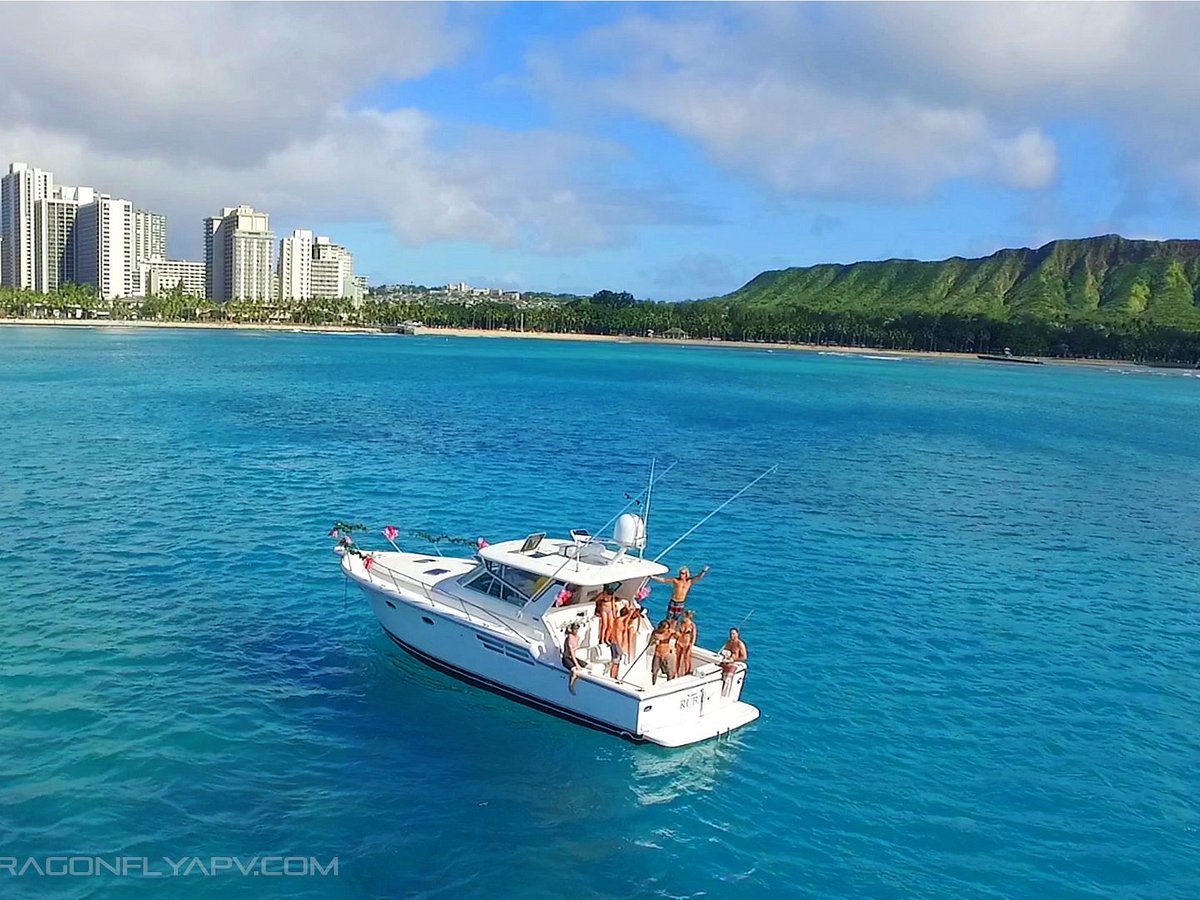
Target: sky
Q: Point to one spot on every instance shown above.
(671, 150)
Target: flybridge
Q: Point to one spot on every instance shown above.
(582, 560)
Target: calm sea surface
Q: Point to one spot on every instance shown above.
(975, 635)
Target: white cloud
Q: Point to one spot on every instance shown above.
(185, 108)
(207, 81)
(870, 101)
(752, 86)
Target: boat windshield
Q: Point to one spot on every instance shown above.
(506, 583)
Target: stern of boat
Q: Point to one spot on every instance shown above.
(699, 707)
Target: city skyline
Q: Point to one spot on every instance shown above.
(53, 235)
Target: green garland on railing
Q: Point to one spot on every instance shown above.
(440, 538)
(342, 531)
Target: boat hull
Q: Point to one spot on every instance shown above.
(484, 657)
(511, 693)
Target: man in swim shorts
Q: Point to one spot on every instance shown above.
(732, 653)
(680, 585)
(662, 637)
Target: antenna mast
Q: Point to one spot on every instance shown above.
(646, 517)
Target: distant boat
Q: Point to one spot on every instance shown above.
(1008, 357)
(1011, 359)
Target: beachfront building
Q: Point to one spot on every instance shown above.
(238, 247)
(333, 271)
(20, 190)
(149, 235)
(295, 266)
(54, 236)
(313, 267)
(103, 237)
(164, 276)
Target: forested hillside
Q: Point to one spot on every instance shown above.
(1104, 279)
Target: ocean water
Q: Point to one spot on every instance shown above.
(974, 628)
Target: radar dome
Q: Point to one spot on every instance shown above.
(630, 532)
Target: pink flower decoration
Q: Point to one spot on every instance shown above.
(368, 561)
(390, 533)
(643, 592)
(481, 543)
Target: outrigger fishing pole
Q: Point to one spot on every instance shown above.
(715, 511)
(688, 532)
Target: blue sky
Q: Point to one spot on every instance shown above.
(671, 150)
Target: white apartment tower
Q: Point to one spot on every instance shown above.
(20, 190)
(332, 270)
(238, 246)
(295, 266)
(55, 248)
(166, 275)
(149, 235)
(104, 247)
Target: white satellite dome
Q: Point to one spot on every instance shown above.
(630, 532)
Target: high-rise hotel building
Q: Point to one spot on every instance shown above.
(55, 246)
(52, 235)
(104, 247)
(238, 251)
(20, 190)
(315, 268)
(295, 266)
(149, 235)
(333, 270)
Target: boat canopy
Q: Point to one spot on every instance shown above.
(571, 561)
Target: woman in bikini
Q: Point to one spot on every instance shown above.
(685, 639)
(629, 617)
(609, 626)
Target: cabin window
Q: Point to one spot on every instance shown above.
(486, 583)
(525, 582)
(514, 586)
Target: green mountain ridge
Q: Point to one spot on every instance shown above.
(1107, 279)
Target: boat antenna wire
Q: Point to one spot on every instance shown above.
(715, 511)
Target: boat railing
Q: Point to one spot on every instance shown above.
(463, 603)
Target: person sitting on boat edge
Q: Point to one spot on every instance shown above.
(570, 659)
(732, 653)
(680, 585)
(662, 637)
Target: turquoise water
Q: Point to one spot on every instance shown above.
(974, 630)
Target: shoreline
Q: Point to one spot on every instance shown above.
(827, 349)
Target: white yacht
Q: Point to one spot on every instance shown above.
(499, 621)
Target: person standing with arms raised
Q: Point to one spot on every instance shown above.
(680, 585)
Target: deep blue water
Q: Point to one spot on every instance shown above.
(974, 635)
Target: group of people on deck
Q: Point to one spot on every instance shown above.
(672, 639)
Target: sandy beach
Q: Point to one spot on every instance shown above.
(549, 336)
